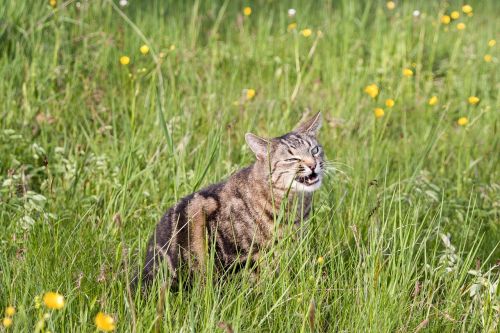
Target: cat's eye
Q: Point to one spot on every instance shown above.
(315, 150)
(293, 159)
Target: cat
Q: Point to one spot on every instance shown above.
(237, 216)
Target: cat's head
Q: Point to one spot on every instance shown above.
(294, 160)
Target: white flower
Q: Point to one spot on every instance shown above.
(292, 12)
(416, 13)
(123, 3)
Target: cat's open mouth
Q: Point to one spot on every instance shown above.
(311, 179)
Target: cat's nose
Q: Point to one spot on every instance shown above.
(311, 164)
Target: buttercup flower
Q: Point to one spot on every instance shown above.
(372, 90)
(379, 112)
(488, 58)
(467, 9)
(247, 11)
(306, 32)
(389, 102)
(462, 121)
(53, 3)
(292, 26)
(407, 72)
(172, 47)
(473, 100)
(10, 311)
(124, 60)
(104, 322)
(445, 19)
(433, 100)
(7, 322)
(390, 5)
(461, 26)
(144, 49)
(455, 14)
(250, 94)
(53, 300)
(321, 260)
(492, 42)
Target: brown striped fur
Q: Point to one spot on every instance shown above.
(237, 216)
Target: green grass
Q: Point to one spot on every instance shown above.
(93, 152)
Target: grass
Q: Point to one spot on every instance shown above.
(93, 152)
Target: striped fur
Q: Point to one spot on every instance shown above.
(237, 216)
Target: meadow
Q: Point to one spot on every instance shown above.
(112, 111)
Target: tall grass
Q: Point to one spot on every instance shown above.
(92, 153)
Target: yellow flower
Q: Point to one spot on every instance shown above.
(390, 5)
(321, 260)
(247, 11)
(172, 47)
(445, 19)
(250, 94)
(433, 100)
(467, 9)
(124, 60)
(379, 112)
(306, 32)
(492, 42)
(372, 90)
(473, 100)
(407, 72)
(53, 3)
(462, 121)
(10, 311)
(455, 14)
(461, 26)
(292, 26)
(488, 58)
(7, 322)
(144, 49)
(389, 102)
(53, 300)
(104, 322)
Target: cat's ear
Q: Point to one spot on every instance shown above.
(310, 126)
(258, 145)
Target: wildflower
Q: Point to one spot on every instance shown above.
(445, 19)
(455, 14)
(416, 13)
(461, 26)
(306, 32)
(172, 47)
(250, 94)
(488, 58)
(321, 260)
(144, 49)
(407, 72)
(104, 322)
(433, 100)
(467, 9)
(7, 322)
(292, 26)
(492, 42)
(390, 5)
(379, 112)
(389, 102)
(53, 300)
(372, 90)
(247, 11)
(473, 100)
(53, 3)
(291, 12)
(462, 121)
(123, 3)
(10, 311)
(124, 60)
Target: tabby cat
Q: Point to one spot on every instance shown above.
(237, 216)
